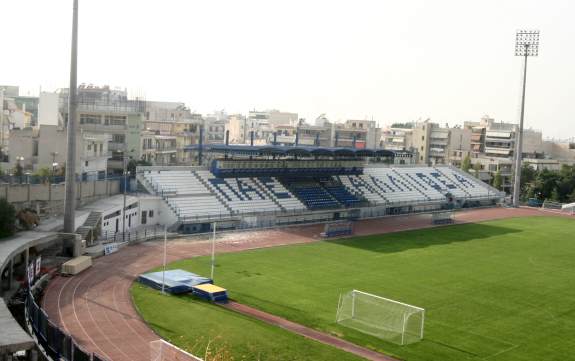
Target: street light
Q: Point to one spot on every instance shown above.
(19, 167)
(125, 157)
(526, 44)
(54, 164)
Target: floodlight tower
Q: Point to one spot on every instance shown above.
(70, 189)
(526, 45)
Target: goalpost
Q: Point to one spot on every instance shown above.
(161, 350)
(384, 318)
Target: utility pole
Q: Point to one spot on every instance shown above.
(526, 44)
(70, 190)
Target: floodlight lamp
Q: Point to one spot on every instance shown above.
(527, 43)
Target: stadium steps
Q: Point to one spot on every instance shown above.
(474, 180)
(292, 186)
(213, 191)
(267, 192)
(467, 193)
(373, 188)
(414, 183)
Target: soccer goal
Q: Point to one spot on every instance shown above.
(387, 319)
(161, 350)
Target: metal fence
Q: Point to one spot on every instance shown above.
(144, 233)
(36, 179)
(55, 342)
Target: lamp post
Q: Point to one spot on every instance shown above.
(125, 157)
(526, 44)
(54, 164)
(19, 168)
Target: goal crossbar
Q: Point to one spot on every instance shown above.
(389, 300)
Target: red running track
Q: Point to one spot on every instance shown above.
(95, 307)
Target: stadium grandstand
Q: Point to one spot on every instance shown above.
(258, 186)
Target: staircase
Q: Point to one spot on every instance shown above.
(91, 227)
(145, 183)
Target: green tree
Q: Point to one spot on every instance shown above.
(132, 164)
(466, 164)
(18, 170)
(497, 180)
(7, 218)
(43, 172)
(477, 168)
(555, 195)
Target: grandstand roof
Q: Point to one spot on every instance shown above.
(289, 150)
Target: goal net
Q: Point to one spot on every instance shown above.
(161, 350)
(387, 319)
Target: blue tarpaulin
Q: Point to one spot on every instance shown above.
(175, 281)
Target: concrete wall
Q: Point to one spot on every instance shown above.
(52, 196)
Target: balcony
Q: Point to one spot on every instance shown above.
(115, 147)
(103, 127)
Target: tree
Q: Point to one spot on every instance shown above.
(477, 168)
(555, 195)
(7, 218)
(466, 164)
(497, 180)
(132, 164)
(43, 172)
(18, 170)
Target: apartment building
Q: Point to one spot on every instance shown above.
(236, 127)
(107, 111)
(397, 137)
(214, 130)
(45, 146)
(273, 117)
(364, 133)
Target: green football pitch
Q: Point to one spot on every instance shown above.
(500, 290)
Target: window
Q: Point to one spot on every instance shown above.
(422, 148)
(423, 137)
(90, 119)
(115, 120)
(118, 138)
(87, 163)
(151, 214)
(89, 146)
(101, 148)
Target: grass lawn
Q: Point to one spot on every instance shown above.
(193, 325)
(501, 290)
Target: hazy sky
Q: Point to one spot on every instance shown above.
(395, 61)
